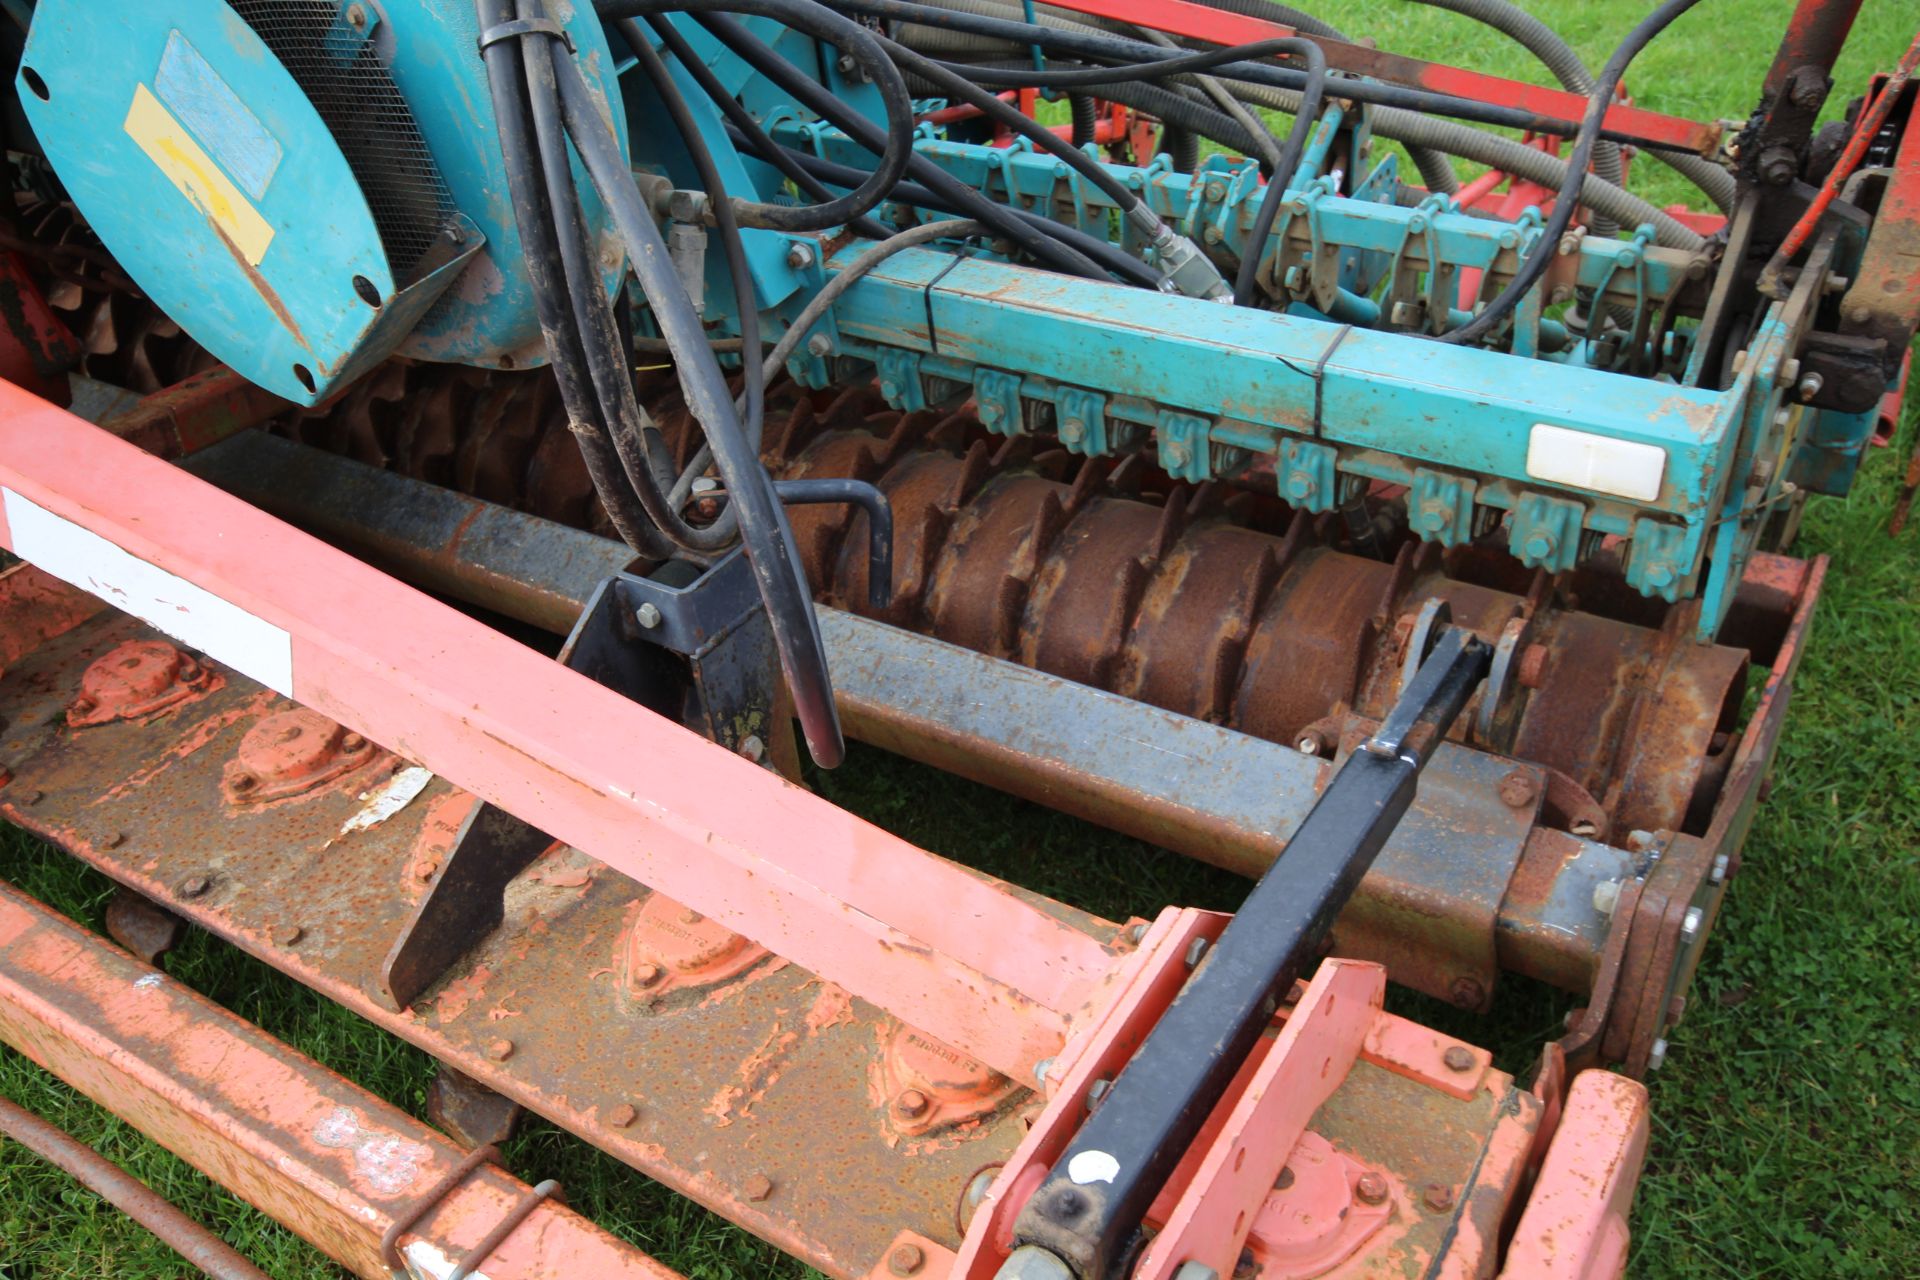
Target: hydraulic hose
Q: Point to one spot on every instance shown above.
(1547, 246)
(1567, 67)
(1245, 280)
(742, 120)
(1040, 243)
(533, 221)
(1129, 269)
(850, 38)
(764, 531)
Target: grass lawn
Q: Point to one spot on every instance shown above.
(1787, 1122)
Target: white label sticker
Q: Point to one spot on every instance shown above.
(1092, 1166)
(190, 614)
(1623, 468)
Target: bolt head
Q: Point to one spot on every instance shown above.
(1097, 1093)
(1468, 993)
(1310, 743)
(1176, 454)
(1533, 666)
(1370, 1188)
(820, 346)
(1722, 867)
(1073, 430)
(1438, 1198)
(645, 975)
(499, 1050)
(648, 615)
(1196, 951)
(622, 1116)
(799, 255)
(1690, 924)
(285, 935)
(758, 1187)
(1657, 1055)
(753, 748)
(991, 412)
(906, 1259)
(1539, 545)
(356, 16)
(194, 886)
(1458, 1058)
(1517, 790)
(911, 1104)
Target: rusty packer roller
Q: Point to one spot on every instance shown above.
(1212, 602)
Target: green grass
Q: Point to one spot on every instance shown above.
(1785, 1122)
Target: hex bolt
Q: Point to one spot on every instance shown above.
(1370, 1188)
(820, 346)
(906, 1259)
(1072, 430)
(113, 840)
(285, 935)
(352, 742)
(1196, 950)
(1859, 313)
(911, 1104)
(1778, 165)
(648, 615)
(1690, 925)
(1438, 1198)
(244, 782)
(799, 255)
(759, 1187)
(1657, 1055)
(622, 1116)
(1606, 896)
(1468, 993)
(1311, 743)
(499, 1050)
(356, 16)
(1040, 1070)
(645, 975)
(1722, 868)
(1810, 386)
(752, 748)
(194, 886)
(1517, 790)
(1458, 1058)
(1097, 1094)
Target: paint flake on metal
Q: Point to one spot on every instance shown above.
(387, 799)
(185, 611)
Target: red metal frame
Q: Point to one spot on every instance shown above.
(331, 1161)
(853, 904)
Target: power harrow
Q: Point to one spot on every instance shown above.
(462, 458)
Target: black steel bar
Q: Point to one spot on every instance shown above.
(870, 499)
(1087, 1214)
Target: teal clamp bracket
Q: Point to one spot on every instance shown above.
(1657, 559)
(900, 382)
(1545, 532)
(1440, 507)
(996, 396)
(1186, 450)
(1080, 420)
(1308, 475)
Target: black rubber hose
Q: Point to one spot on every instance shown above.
(1040, 243)
(768, 539)
(642, 455)
(1245, 282)
(849, 37)
(753, 403)
(1180, 145)
(1174, 62)
(1132, 270)
(956, 84)
(533, 222)
(742, 120)
(1547, 246)
(1085, 115)
(1099, 47)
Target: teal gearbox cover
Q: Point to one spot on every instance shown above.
(305, 187)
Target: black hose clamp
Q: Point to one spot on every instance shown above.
(525, 27)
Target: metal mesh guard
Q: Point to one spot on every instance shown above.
(356, 97)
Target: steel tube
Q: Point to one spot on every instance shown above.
(126, 1193)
